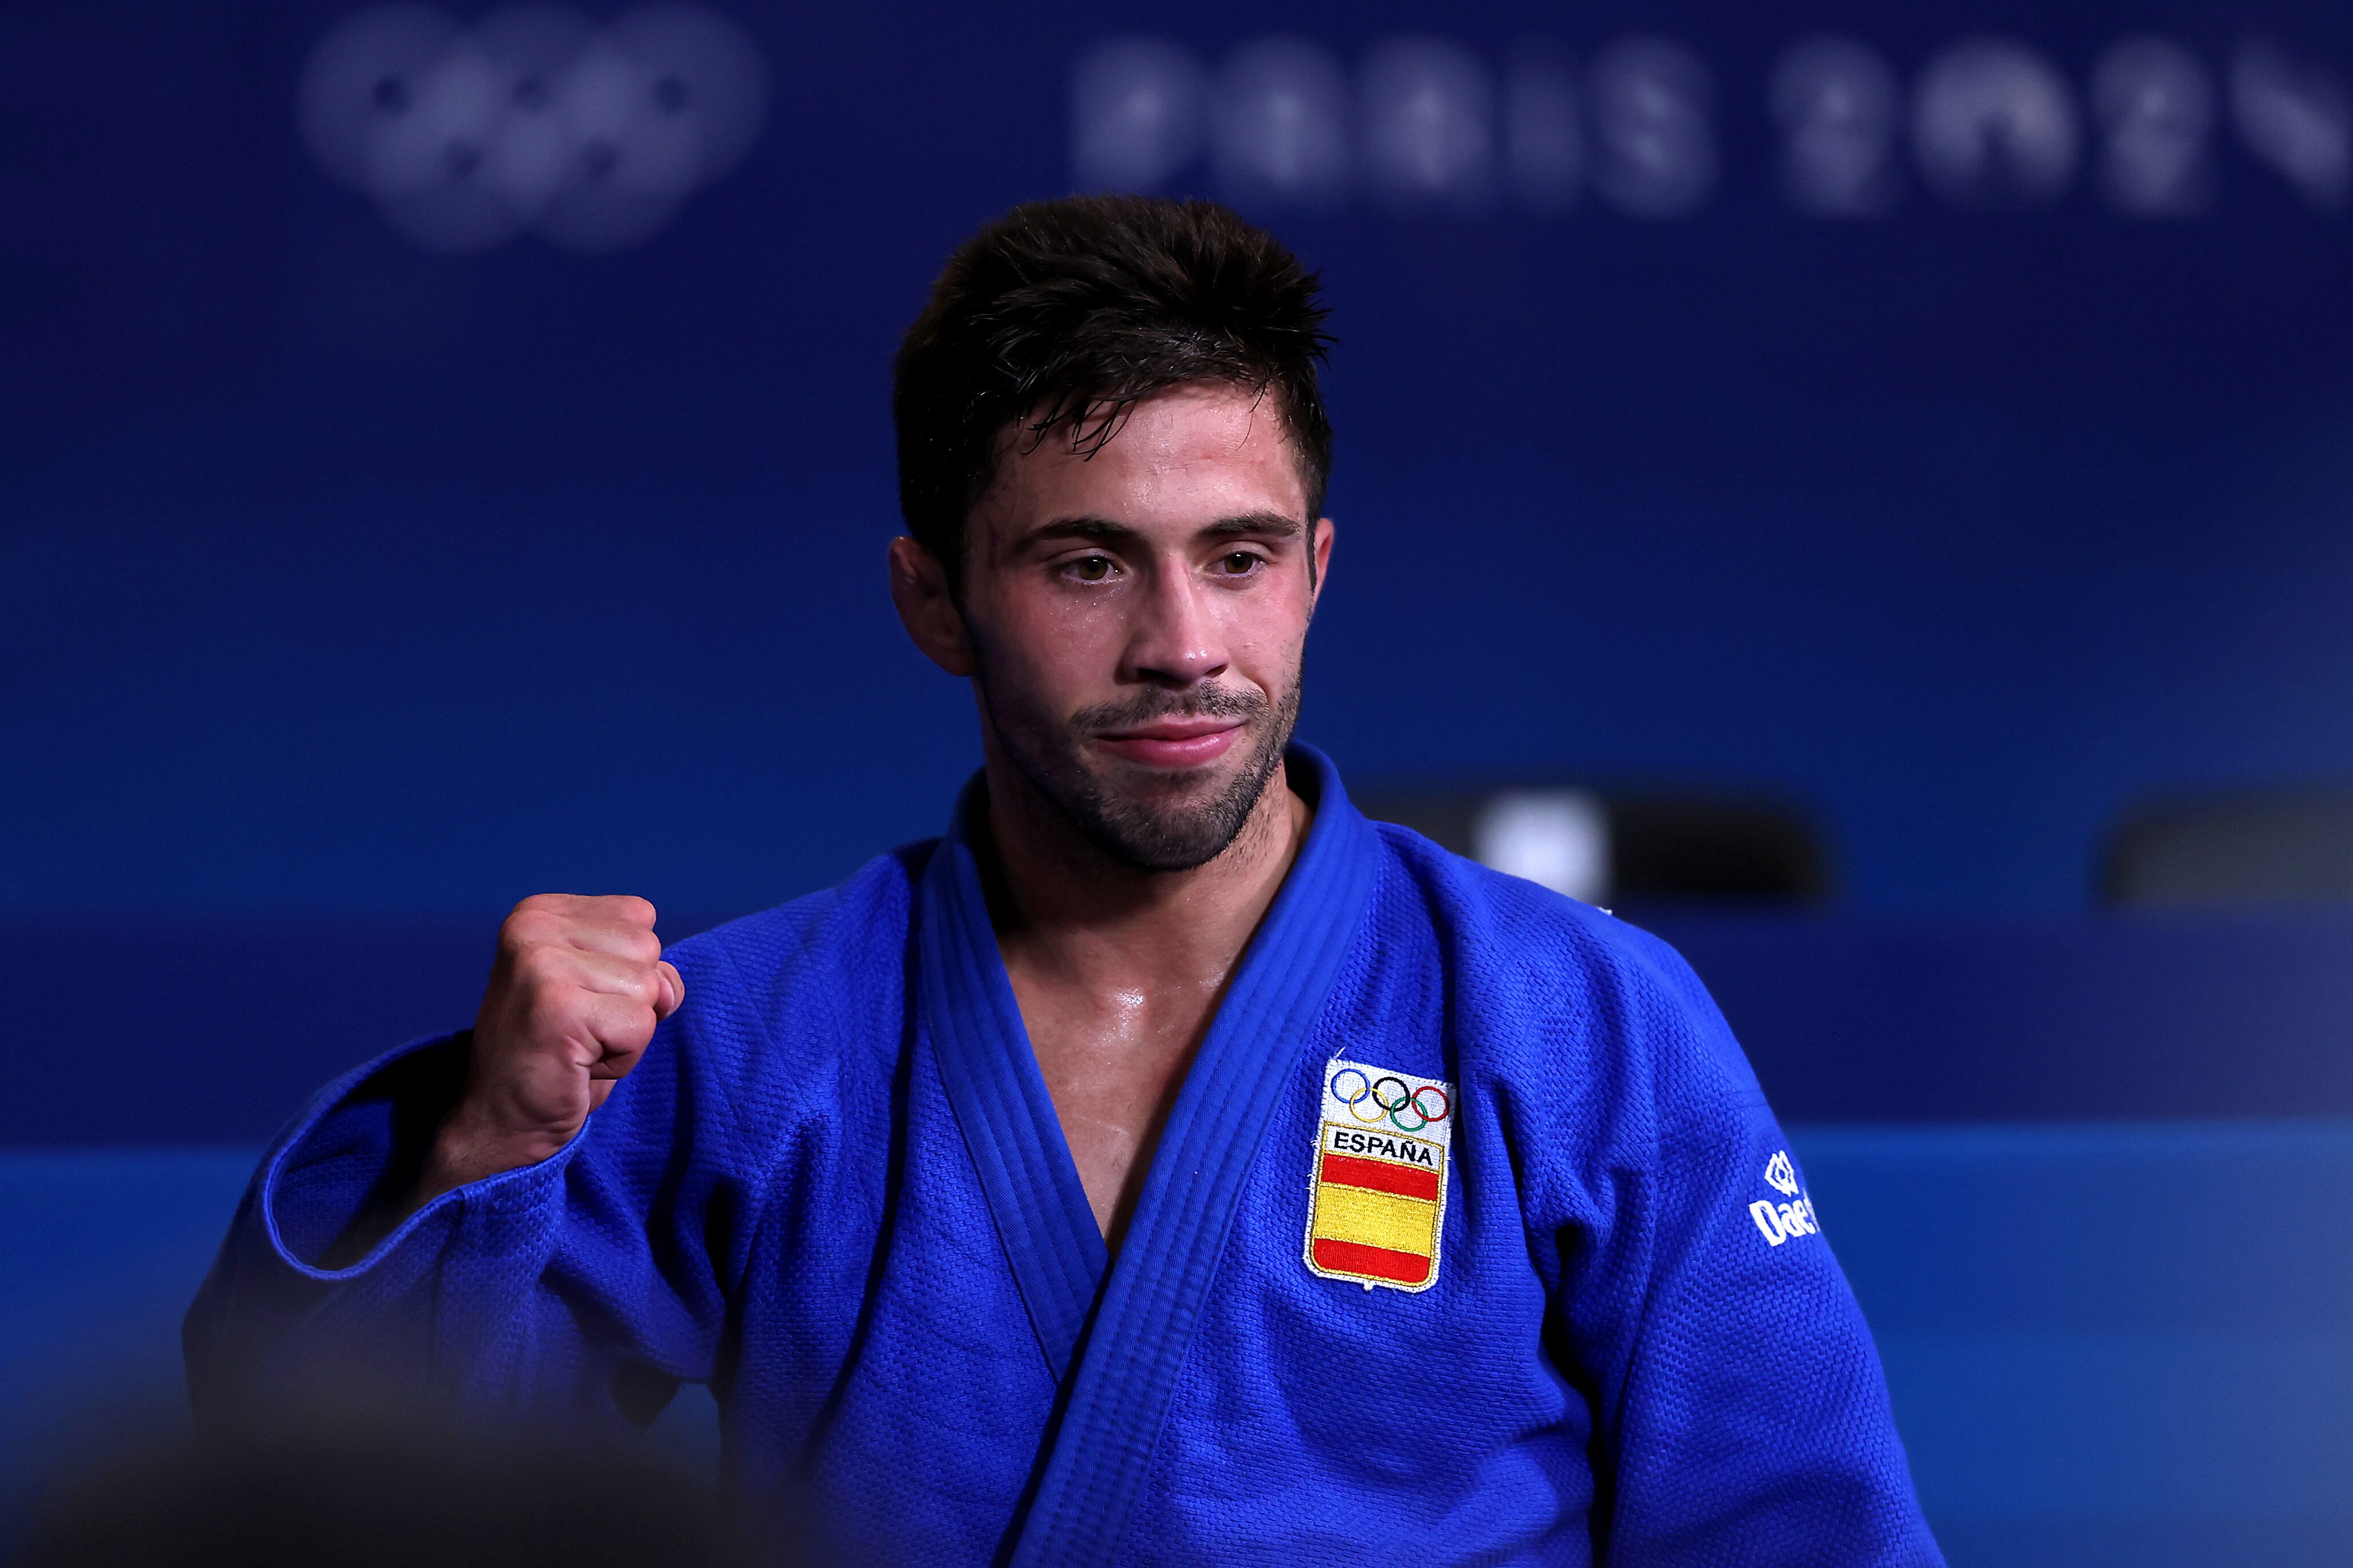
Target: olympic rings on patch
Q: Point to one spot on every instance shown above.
(1385, 1109)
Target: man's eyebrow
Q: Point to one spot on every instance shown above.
(1104, 531)
(1100, 528)
(1255, 525)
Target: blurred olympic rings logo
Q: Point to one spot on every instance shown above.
(534, 118)
(1389, 1098)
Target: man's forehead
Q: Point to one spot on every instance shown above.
(1215, 450)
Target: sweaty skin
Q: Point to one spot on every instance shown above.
(1134, 624)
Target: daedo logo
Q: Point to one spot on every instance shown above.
(1779, 1222)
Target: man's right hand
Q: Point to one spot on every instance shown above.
(579, 986)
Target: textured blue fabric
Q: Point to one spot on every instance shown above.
(1051, 1241)
(1153, 1302)
(787, 1200)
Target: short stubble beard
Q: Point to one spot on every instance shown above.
(1130, 827)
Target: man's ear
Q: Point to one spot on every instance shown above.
(1319, 559)
(919, 586)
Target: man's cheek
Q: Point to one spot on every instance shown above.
(1080, 655)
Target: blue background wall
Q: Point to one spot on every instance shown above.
(345, 577)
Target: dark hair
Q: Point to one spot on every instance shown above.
(1067, 313)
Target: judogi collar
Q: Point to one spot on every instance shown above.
(1114, 1336)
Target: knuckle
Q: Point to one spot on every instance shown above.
(542, 1003)
(553, 1011)
(630, 908)
(527, 927)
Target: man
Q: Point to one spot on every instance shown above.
(1167, 1165)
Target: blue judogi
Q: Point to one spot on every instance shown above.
(835, 1189)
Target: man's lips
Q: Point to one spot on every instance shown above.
(1174, 742)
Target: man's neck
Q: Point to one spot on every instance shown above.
(1072, 911)
(1118, 972)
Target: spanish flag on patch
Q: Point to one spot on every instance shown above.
(1378, 1204)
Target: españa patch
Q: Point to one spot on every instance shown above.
(1378, 1208)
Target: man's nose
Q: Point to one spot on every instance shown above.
(1177, 640)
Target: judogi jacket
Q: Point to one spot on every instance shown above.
(1469, 1239)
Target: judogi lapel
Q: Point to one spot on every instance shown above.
(1096, 1456)
(966, 1005)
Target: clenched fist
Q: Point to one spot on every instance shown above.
(574, 997)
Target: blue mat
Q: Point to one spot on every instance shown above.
(2109, 1343)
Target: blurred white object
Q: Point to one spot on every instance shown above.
(1545, 135)
(1428, 114)
(1654, 141)
(1557, 838)
(1136, 114)
(1281, 125)
(1994, 125)
(2155, 111)
(2295, 117)
(1837, 104)
(534, 118)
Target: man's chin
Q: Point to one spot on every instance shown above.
(1118, 776)
(1174, 820)
(1152, 817)
(1201, 788)
(1163, 841)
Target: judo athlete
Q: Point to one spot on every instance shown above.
(1166, 1165)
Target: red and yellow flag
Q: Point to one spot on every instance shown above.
(1378, 1210)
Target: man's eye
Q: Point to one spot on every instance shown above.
(1240, 562)
(1091, 568)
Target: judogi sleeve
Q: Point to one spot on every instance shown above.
(1743, 1416)
(587, 1286)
